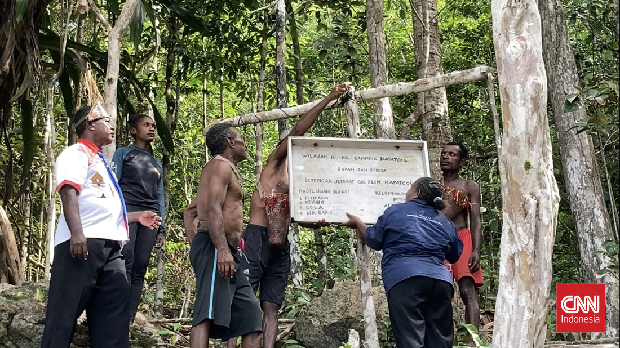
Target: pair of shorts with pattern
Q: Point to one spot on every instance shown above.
(267, 267)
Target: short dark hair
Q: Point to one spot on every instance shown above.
(463, 153)
(217, 137)
(79, 114)
(134, 120)
(431, 192)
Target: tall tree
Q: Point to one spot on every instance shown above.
(299, 70)
(115, 37)
(530, 197)
(384, 123)
(581, 177)
(171, 122)
(432, 107)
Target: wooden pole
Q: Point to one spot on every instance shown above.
(363, 257)
(393, 90)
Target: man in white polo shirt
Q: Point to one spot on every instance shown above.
(88, 271)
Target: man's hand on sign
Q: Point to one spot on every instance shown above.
(337, 91)
(353, 222)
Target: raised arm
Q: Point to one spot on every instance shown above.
(305, 122)
(212, 192)
(474, 221)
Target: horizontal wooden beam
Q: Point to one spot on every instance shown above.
(393, 90)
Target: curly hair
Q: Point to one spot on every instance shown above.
(217, 136)
(430, 192)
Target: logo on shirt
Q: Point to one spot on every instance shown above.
(425, 218)
(97, 179)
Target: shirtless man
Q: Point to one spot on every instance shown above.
(225, 304)
(266, 244)
(462, 199)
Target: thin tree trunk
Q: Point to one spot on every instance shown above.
(384, 123)
(581, 176)
(171, 106)
(281, 91)
(11, 269)
(299, 71)
(67, 10)
(77, 97)
(260, 99)
(25, 239)
(51, 182)
(363, 257)
(432, 107)
(115, 37)
(530, 198)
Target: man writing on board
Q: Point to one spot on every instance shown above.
(266, 244)
(462, 199)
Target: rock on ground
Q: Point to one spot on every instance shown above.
(22, 318)
(326, 322)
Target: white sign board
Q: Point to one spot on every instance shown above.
(329, 177)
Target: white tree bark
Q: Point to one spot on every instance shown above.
(363, 257)
(530, 197)
(384, 123)
(393, 90)
(581, 176)
(114, 54)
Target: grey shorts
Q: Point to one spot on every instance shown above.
(229, 303)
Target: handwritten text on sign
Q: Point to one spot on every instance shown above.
(332, 176)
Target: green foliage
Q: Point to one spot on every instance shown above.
(20, 9)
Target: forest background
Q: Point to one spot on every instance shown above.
(188, 63)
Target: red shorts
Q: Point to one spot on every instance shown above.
(460, 269)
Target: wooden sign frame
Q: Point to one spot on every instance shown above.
(373, 165)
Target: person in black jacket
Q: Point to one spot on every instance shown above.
(140, 176)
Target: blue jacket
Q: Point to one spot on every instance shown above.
(140, 177)
(415, 239)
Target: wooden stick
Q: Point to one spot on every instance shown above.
(285, 332)
(393, 90)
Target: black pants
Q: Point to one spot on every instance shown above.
(421, 313)
(97, 284)
(137, 254)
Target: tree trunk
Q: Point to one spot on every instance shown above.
(384, 124)
(171, 106)
(260, 99)
(115, 37)
(281, 92)
(10, 265)
(77, 97)
(432, 106)
(299, 71)
(51, 182)
(581, 176)
(363, 257)
(530, 198)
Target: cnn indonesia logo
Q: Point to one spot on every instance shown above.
(580, 308)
